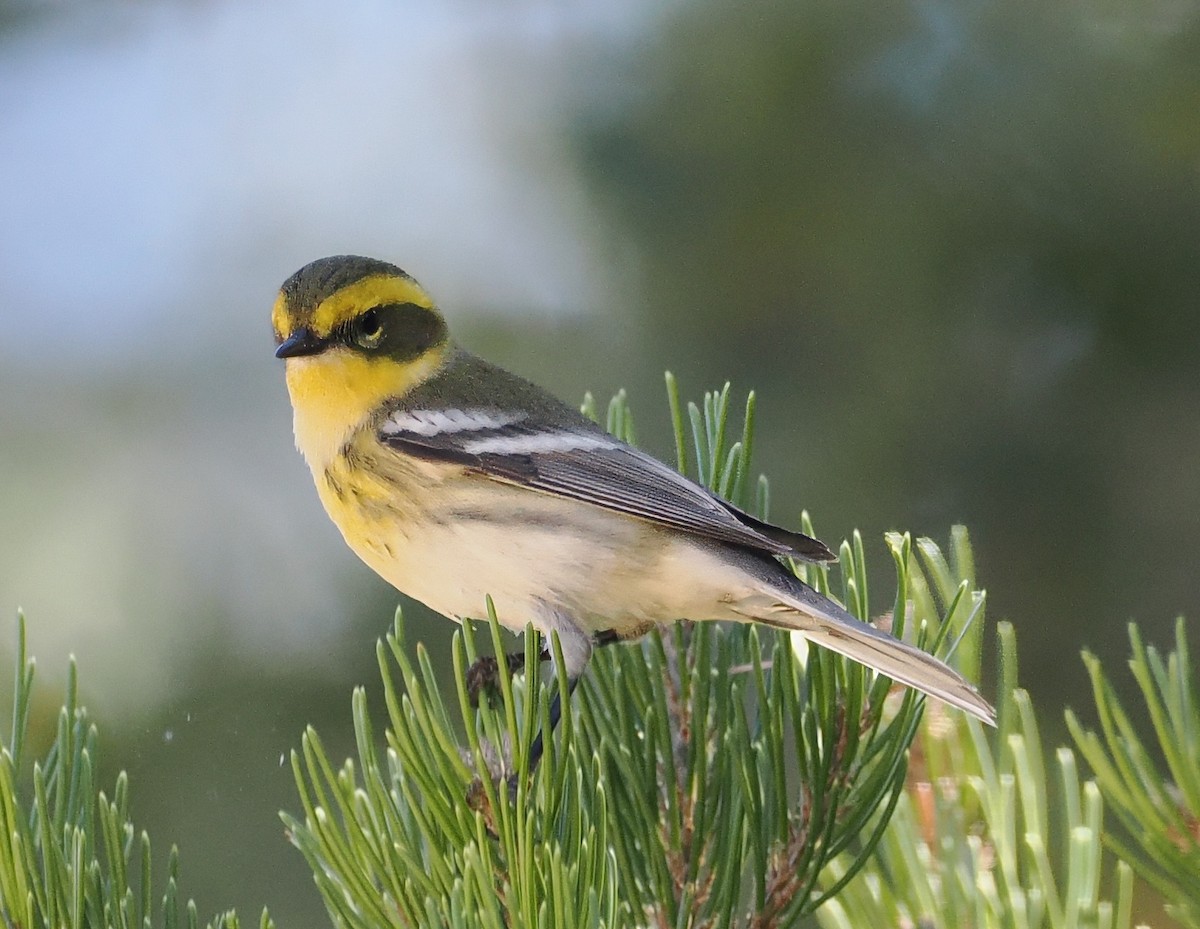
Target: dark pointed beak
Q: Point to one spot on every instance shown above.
(301, 342)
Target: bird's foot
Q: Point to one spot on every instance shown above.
(483, 676)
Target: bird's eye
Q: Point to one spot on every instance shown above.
(367, 330)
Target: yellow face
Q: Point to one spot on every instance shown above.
(350, 343)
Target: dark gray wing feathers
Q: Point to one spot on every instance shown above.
(580, 461)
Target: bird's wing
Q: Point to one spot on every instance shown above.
(583, 463)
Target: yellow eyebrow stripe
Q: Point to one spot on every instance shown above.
(375, 290)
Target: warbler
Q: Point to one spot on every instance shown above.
(455, 479)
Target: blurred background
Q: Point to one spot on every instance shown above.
(954, 245)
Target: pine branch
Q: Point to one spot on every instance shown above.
(712, 776)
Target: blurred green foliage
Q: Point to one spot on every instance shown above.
(961, 237)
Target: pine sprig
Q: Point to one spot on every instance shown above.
(70, 857)
(982, 835)
(429, 833)
(1159, 811)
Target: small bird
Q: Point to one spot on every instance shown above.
(454, 480)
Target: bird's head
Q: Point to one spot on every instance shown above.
(354, 332)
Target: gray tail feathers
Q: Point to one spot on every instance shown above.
(801, 609)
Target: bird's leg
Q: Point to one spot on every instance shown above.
(576, 646)
(599, 640)
(483, 676)
(539, 745)
(476, 796)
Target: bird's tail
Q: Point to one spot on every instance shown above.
(801, 609)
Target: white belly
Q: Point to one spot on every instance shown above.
(599, 569)
(451, 544)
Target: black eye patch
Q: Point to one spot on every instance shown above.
(402, 331)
